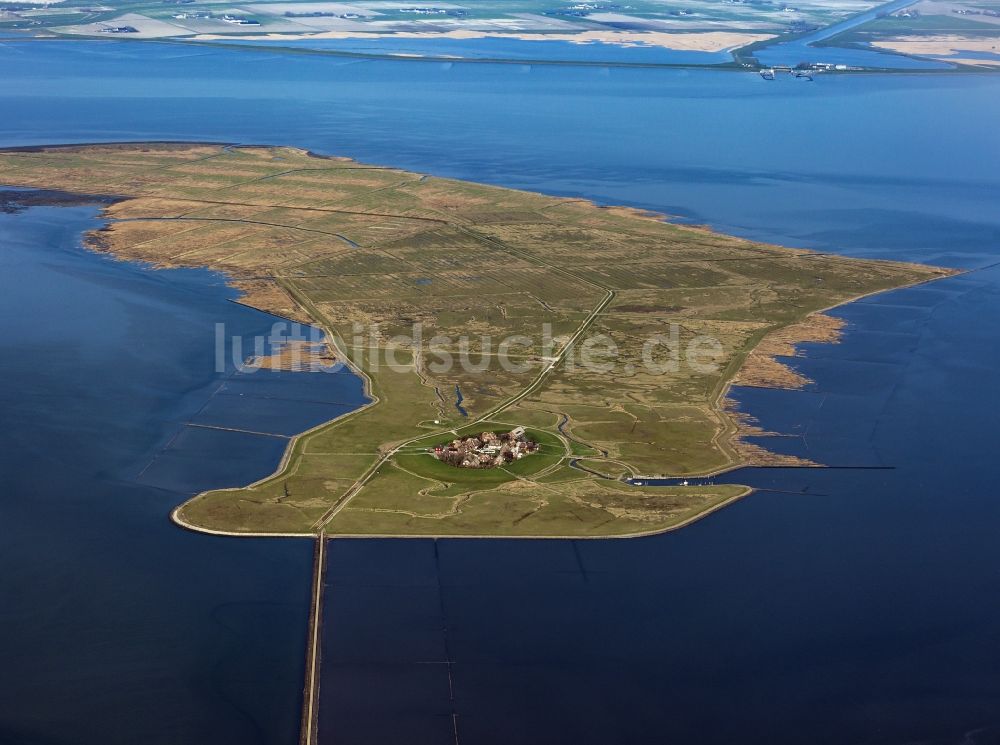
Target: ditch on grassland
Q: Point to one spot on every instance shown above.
(372, 255)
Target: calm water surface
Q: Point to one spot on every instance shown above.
(839, 606)
(118, 627)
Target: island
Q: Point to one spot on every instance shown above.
(600, 341)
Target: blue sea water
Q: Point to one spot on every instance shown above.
(117, 625)
(844, 605)
(794, 53)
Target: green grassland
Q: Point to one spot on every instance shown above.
(399, 256)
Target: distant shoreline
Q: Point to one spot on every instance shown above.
(738, 64)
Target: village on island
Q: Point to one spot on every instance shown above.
(486, 450)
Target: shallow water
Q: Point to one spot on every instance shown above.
(837, 606)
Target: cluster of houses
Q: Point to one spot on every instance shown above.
(487, 449)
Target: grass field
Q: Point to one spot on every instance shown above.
(621, 330)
